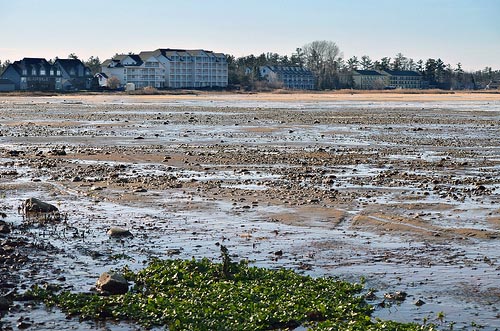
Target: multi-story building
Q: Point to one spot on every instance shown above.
(369, 79)
(37, 74)
(291, 77)
(169, 68)
(406, 79)
(379, 79)
(75, 75)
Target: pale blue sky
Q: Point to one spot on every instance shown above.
(466, 31)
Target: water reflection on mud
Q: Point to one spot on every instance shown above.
(402, 194)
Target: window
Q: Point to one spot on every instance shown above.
(58, 72)
(25, 72)
(42, 72)
(52, 72)
(33, 72)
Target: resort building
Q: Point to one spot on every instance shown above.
(405, 79)
(380, 79)
(169, 68)
(291, 77)
(369, 79)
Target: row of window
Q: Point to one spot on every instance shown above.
(197, 58)
(39, 79)
(43, 72)
(397, 78)
(403, 82)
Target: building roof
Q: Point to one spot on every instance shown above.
(68, 64)
(146, 55)
(403, 73)
(29, 63)
(290, 70)
(137, 59)
(143, 56)
(368, 72)
(101, 74)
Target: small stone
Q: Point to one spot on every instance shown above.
(4, 304)
(23, 325)
(396, 296)
(14, 153)
(58, 152)
(173, 251)
(4, 228)
(419, 303)
(119, 232)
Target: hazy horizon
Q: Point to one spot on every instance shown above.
(455, 31)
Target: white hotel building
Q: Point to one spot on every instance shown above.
(169, 68)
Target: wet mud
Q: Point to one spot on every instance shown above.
(404, 194)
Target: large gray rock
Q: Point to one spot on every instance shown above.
(112, 283)
(33, 205)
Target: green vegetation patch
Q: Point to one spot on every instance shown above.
(202, 295)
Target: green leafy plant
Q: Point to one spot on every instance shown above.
(203, 295)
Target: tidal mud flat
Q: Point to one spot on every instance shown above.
(401, 191)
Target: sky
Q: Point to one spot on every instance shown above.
(465, 31)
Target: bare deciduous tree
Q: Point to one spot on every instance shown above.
(322, 58)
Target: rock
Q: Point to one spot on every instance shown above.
(58, 152)
(33, 205)
(14, 153)
(119, 232)
(113, 283)
(419, 303)
(4, 304)
(396, 296)
(23, 325)
(4, 228)
(174, 251)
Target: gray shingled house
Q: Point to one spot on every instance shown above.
(37, 74)
(33, 74)
(75, 75)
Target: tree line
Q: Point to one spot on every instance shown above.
(330, 69)
(326, 62)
